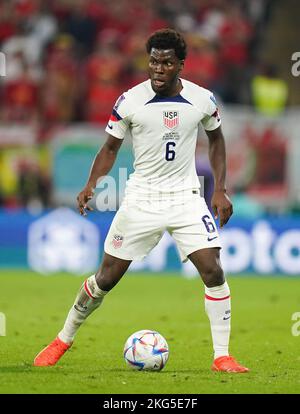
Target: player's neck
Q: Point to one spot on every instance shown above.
(174, 89)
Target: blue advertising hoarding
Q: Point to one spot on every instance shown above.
(61, 240)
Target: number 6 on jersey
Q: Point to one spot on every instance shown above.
(170, 153)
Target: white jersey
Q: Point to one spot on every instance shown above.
(164, 134)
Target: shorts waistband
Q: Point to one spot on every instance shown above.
(163, 196)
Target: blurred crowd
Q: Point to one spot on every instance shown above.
(68, 60)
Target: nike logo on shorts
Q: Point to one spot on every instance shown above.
(211, 238)
(110, 126)
(225, 319)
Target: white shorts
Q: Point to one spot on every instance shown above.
(139, 225)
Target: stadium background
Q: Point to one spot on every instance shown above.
(67, 62)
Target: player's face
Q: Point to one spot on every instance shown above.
(164, 68)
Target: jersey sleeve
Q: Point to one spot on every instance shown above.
(212, 119)
(119, 120)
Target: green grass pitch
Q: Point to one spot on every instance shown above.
(35, 308)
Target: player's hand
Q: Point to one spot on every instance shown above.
(83, 198)
(221, 206)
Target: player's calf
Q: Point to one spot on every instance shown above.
(88, 299)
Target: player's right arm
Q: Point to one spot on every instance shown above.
(101, 166)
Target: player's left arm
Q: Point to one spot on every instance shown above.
(220, 202)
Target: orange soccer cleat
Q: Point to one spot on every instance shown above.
(228, 364)
(51, 354)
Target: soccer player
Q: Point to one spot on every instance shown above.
(162, 114)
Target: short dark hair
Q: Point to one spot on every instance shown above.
(167, 39)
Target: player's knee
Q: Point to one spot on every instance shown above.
(104, 283)
(213, 276)
(108, 275)
(104, 278)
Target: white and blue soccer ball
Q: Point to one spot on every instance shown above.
(146, 350)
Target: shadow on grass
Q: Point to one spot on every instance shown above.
(68, 369)
(163, 372)
(27, 368)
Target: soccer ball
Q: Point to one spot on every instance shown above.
(146, 350)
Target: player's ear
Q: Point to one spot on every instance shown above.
(181, 65)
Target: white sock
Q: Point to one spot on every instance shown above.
(217, 306)
(88, 299)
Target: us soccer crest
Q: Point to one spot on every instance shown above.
(171, 119)
(117, 241)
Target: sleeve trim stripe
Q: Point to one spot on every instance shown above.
(115, 116)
